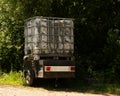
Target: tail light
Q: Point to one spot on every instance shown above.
(72, 68)
(47, 68)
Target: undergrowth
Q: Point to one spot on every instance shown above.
(16, 78)
(12, 78)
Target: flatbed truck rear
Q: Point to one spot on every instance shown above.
(49, 48)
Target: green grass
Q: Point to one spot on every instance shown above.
(82, 86)
(12, 78)
(16, 78)
(104, 88)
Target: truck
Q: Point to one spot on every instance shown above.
(48, 48)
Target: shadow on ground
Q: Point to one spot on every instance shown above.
(74, 85)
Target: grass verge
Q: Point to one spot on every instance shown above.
(77, 85)
(84, 86)
(12, 78)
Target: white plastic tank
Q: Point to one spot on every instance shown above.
(49, 35)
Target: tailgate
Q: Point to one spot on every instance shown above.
(58, 69)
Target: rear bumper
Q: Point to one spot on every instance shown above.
(59, 75)
(58, 69)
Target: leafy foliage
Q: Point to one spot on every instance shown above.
(14, 78)
(97, 33)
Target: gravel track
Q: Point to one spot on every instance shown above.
(7, 90)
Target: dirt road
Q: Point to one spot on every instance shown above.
(7, 90)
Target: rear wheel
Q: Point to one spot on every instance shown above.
(29, 78)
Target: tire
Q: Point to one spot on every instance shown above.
(29, 78)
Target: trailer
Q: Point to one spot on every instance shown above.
(49, 48)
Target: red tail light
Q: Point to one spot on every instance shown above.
(47, 68)
(72, 68)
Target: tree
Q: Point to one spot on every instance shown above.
(96, 32)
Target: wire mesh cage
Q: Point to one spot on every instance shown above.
(49, 35)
